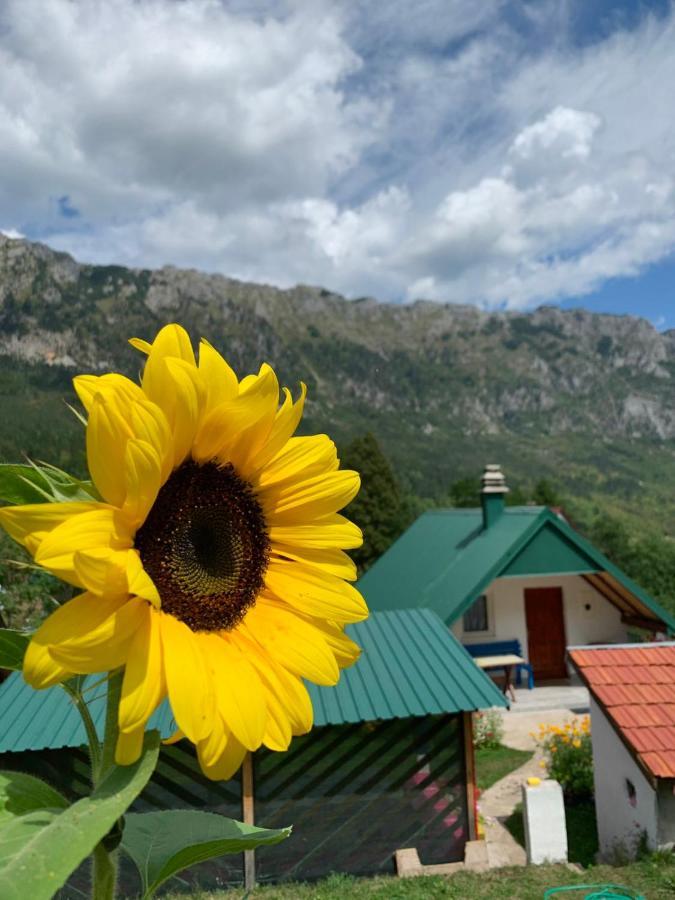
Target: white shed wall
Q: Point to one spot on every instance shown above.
(619, 823)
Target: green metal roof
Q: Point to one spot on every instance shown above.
(446, 559)
(411, 666)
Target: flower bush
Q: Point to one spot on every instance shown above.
(488, 729)
(568, 757)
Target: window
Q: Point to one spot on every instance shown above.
(632, 793)
(476, 617)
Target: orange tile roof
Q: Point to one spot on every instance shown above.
(635, 686)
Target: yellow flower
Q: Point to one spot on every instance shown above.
(576, 743)
(213, 566)
(554, 749)
(565, 739)
(542, 764)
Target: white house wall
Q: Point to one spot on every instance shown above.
(620, 824)
(601, 624)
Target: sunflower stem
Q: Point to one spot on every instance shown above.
(92, 737)
(104, 874)
(111, 721)
(105, 860)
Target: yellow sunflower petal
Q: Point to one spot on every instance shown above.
(105, 644)
(144, 685)
(31, 523)
(87, 386)
(171, 341)
(331, 560)
(310, 499)
(227, 764)
(285, 423)
(346, 650)
(212, 748)
(176, 387)
(300, 459)
(239, 695)
(174, 738)
(102, 570)
(315, 593)
(236, 429)
(187, 678)
(70, 623)
(285, 694)
(102, 527)
(149, 424)
(142, 477)
(324, 533)
(292, 641)
(142, 345)
(40, 669)
(129, 746)
(106, 571)
(139, 582)
(220, 381)
(107, 434)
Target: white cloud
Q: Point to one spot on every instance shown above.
(12, 233)
(565, 132)
(455, 154)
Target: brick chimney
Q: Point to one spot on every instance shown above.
(493, 491)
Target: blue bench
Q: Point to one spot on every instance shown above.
(499, 648)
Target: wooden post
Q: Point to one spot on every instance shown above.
(470, 767)
(248, 817)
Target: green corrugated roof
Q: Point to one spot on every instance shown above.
(442, 558)
(447, 558)
(411, 666)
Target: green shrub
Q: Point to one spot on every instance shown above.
(568, 757)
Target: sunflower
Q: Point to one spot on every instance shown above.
(212, 568)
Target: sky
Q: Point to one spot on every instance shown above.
(501, 154)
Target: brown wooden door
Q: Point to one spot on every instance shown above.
(545, 632)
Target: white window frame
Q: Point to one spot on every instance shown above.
(490, 631)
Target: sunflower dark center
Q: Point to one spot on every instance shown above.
(205, 546)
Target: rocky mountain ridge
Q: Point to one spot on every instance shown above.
(586, 398)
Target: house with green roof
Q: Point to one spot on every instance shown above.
(500, 573)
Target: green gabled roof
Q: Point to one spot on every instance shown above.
(447, 558)
(410, 666)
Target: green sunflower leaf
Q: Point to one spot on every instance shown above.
(12, 648)
(21, 793)
(41, 484)
(161, 844)
(42, 847)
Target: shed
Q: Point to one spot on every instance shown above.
(633, 732)
(500, 573)
(388, 765)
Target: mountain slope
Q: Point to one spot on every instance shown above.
(585, 399)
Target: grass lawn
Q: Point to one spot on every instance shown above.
(653, 877)
(582, 834)
(494, 763)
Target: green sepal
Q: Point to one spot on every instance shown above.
(42, 483)
(41, 848)
(13, 646)
(161, 844)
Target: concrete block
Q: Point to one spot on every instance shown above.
(544, 821)
(476, 856)
(408, 862)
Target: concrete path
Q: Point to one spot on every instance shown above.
(571, 696)
(496, 805)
